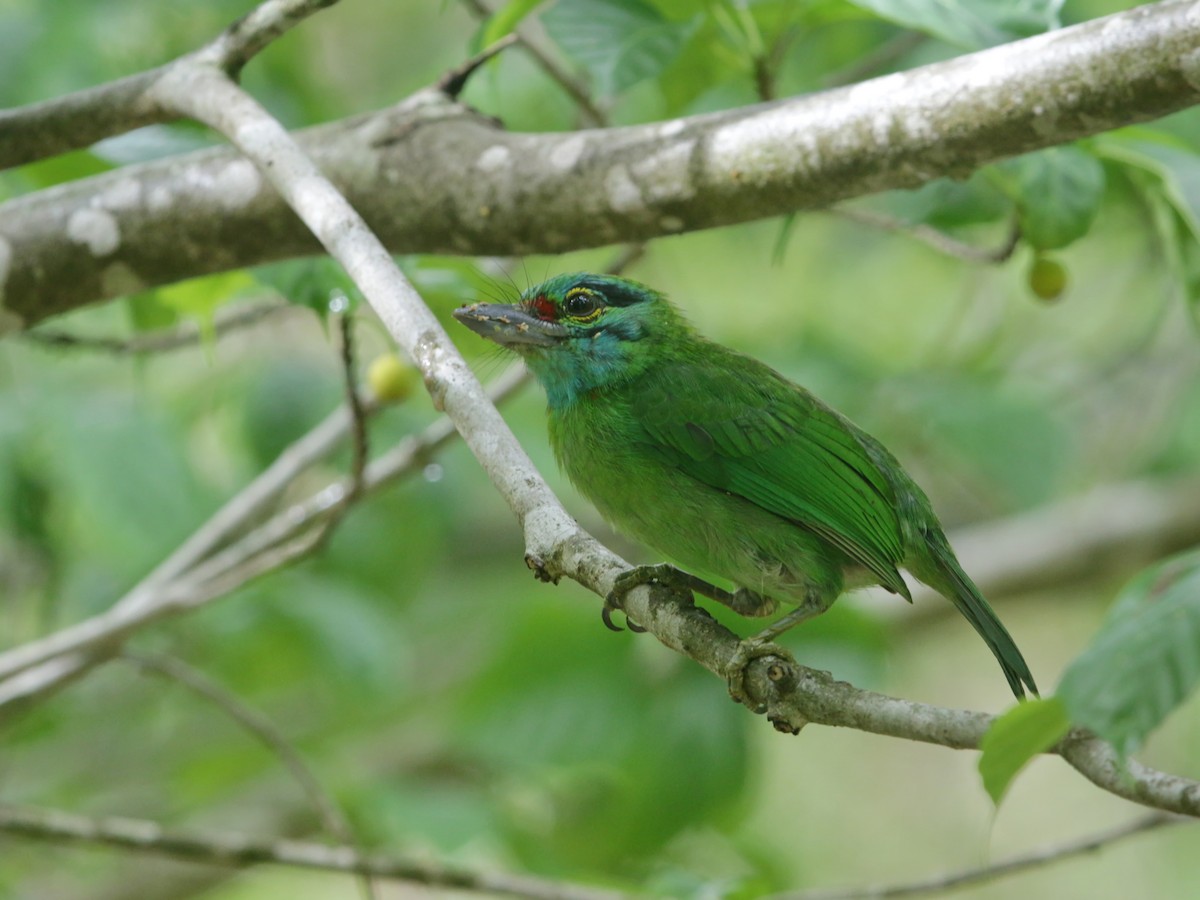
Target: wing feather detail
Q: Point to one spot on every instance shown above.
(737, 426)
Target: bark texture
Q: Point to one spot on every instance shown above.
(431, 176)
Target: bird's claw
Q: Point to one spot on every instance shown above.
(606, 617)
(664, 574)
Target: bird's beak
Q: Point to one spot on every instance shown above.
(509, 325)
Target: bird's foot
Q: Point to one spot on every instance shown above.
(748, 650)
(763, 644)
(666, 575)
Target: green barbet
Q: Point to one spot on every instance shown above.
(724, 465)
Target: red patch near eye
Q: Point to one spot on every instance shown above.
(543, 308)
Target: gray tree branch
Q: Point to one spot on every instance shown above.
(789, 694)
(1001, 869)
(239, 851)
(430, 175)
(235, 850)
(78, 120)
(184, 581)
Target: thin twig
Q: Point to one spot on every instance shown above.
(936, 239)
(353, 489)
(247, 505)
(452, 83)
(626, 258)
(591, 113)
(249, 35)
(265, 731)
(358, 413)
(233, 850)
(186, 334)
(878, 59)
(68, 652)
(938, 884)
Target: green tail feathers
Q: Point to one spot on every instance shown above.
(948, 578)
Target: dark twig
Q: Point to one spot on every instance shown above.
(1011, 866)
(358, 413)
(592, 114)
(186, 334)
(626, 258)
(877, 60)
(452, 83)
(936, 239)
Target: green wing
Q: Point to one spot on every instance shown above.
(739, 427)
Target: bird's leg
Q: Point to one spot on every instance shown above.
(809, 609)
(743, 601)
(761, 644)
(664, 574)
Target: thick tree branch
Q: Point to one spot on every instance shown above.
(239, 851)
(431, 176)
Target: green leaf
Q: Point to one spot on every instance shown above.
(148, 312)
(1174, 164)
(946, 203)
(970, 23)
(505, 19)
(66, 167)
(619, 42)
(1015, 738)
(1145, 660)
(309, 282)
(1058, 193)
(200, 298)
(1167, 174)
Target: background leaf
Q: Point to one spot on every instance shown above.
(1058, 193)
(1145, 660)
(1173, 163)
(970, 23)
(505, 19)
(619, 42)
(200, 298)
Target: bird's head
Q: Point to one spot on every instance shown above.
(580, 331)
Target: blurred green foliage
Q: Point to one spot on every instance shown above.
(452, 704)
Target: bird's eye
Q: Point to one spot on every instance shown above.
(580, 305)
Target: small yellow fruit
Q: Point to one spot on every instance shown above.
(1047, 278)
(391, 379)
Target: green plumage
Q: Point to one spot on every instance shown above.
(721, 463)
